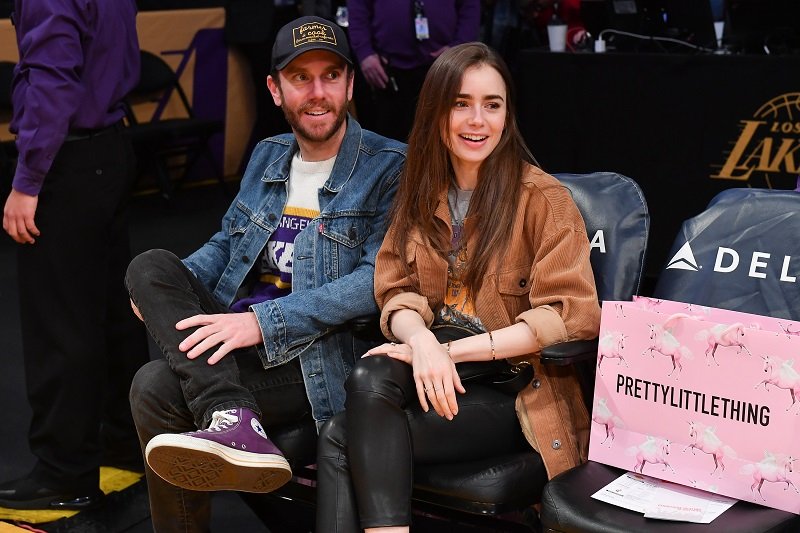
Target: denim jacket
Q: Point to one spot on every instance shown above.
(334, 256)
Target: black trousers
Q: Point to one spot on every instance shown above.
(81, 343)
(366, 454)
(176, 394)
(165, 291)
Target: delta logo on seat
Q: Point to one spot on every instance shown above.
(728, 260)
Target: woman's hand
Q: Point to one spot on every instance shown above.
(434, 374)
(401, 352)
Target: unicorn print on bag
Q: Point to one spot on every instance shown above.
(611, 346)
(602, 415)
(665, 343)
(704, 438)
(723, 335)
(781, 374)
(653, 451)
(774, 468)
(788, 330)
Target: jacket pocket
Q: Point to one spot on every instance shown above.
(238, 225)
(515, 282)
(343, 240)
(514, 287)
(240, 221)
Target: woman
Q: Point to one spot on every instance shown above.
(482, 240)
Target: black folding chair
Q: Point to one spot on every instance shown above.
(166, 144)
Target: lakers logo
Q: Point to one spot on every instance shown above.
(768, 143)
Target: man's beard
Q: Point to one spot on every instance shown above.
(293, 117)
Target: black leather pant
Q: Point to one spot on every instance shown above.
(368, 482)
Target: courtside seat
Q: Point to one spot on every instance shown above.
(501, 490)
(741, 223)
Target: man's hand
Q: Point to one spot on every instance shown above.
(372, 68)
(230, 331)
(18, 217)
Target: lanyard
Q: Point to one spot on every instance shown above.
(419, 8)
(420, 21)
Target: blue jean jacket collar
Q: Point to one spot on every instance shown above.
(278, 170)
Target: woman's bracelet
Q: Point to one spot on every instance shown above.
(448, 350)
(491, 344)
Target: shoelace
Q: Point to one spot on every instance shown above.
(222, 420)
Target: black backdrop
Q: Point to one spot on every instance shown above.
(667, 121)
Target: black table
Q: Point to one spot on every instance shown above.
(683, 126)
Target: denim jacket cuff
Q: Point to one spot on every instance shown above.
(273, 328)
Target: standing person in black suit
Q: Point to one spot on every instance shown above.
(68, 213)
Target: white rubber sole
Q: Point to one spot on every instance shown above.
(199, 464)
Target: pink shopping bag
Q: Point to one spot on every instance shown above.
(704, 397)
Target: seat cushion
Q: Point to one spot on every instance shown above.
(567, 507)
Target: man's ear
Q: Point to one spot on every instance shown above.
(350, 77)
(274, 90)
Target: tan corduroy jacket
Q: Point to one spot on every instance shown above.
(544, 280)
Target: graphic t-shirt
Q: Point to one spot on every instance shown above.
(458, 308)
(274, 267)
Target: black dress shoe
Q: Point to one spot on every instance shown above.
(26, 493)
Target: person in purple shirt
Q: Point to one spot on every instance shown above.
(395, 41)
(67, 211)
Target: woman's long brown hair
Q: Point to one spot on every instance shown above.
(428, 171)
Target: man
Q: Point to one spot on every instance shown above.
(396, 41)
(67, 210)
(293, 261)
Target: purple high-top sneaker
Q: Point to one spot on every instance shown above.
(234, 453)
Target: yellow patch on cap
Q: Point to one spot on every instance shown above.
(313, 32)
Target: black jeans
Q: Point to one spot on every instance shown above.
(366, 454)
(176, 394)
(165, 291)
(82, 345)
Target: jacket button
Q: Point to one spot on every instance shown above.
(245, 259)
(351, 233)
(556, 444)
(523, 282)
(271, 217)
(536, 383)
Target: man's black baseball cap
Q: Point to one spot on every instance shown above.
(305, 34)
